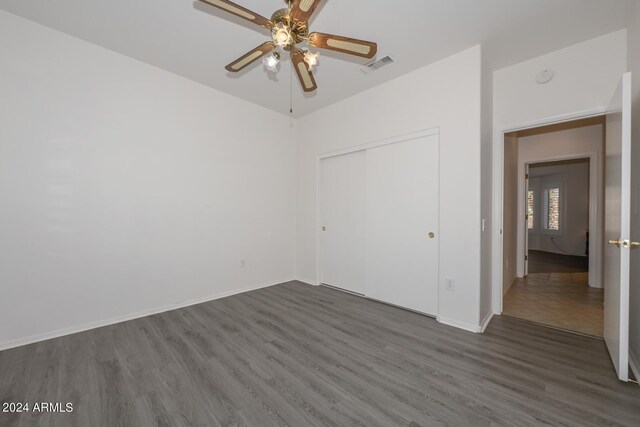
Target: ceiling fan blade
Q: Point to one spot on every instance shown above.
(302, 70)
(303, 9)
(344, 44)
(231, 7)
(250, 57)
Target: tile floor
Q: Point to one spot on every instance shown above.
(561, 300)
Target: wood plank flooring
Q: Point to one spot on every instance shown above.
(300, 355)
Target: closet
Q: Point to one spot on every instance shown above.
(378, 218)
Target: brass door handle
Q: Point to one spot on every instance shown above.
(432, 235)
(624, 243)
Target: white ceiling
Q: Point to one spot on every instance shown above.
(196, 40)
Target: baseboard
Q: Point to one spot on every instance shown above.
(460, 325)
(486, 321)
(308, 281)
(634, 362)
(119, 319)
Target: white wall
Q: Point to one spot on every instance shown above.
(445, 95)
(634, 67)
(126, 189)
(586, 76)
(574, 178)
(564, 144)
(510, 223)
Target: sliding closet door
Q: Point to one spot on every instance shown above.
(342, 221)
(402, 224)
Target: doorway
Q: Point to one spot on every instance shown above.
(553, 226)
(613, 225)
(557, 217)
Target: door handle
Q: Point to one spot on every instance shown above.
(624, 243)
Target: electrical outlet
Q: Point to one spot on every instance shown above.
(243, 263)
(450, 284)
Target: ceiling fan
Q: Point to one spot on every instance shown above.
(289, 27)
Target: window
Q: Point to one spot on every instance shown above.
(530, 209)
(551, 209)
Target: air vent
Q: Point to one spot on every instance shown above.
(376, 65)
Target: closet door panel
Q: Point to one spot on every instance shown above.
(342, 221)
(402, 224)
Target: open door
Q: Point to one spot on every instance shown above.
(618, 227)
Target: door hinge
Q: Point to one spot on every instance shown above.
(526, 176)
(526, 257)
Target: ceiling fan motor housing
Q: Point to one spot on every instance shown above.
(299, 30)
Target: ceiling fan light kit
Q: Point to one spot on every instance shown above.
(290, 27)
(271, 61)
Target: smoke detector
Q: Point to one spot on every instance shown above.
(544, 76)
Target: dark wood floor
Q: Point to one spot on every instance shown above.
(300, 355)
(547, 262)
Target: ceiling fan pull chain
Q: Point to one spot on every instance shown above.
(291, 91)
